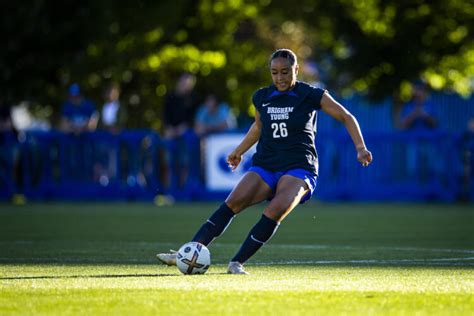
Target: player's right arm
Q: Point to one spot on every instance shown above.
(252, 136)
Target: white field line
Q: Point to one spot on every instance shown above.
(316, 247)
(420, 262)
(161, 246)
(60, 260)
(439, 261)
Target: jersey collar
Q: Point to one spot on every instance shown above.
(276, 93)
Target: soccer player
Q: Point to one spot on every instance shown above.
(285, 165)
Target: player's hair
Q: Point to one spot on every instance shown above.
(285, 53)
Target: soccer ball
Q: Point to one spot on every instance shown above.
(193, 258)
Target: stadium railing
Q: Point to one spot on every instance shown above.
(139, 165)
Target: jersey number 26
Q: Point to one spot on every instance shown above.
(279, 130)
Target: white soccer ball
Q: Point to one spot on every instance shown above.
(193, 258)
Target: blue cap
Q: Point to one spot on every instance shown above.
(74, 89)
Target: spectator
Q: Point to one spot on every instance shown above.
(114, 113)
(180, 107)
(419, 115)
(10, 158)
(181, 141)
(419, 112)
(78, 114)
(213, 116)
(310, 72)
(113, 118)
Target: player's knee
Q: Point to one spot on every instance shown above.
(277, 211)
(236, 205)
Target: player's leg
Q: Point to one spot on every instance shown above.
(250, 190)
(290, 191)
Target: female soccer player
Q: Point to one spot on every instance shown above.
(285, 165)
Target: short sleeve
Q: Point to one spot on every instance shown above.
(315, 95)
(257, 98)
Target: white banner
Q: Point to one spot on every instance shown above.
(219, 177)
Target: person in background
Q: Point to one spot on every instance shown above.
(114, 114)
(180, 107)
(11, 169)
(113, 118)
(182, 144)
(78, 114)
(213, 117)
(418, 113)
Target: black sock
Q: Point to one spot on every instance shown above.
(215, 225)
(258, 236)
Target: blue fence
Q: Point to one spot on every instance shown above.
(451, 111)
(407, 167)
(99, 165)
(139, 165)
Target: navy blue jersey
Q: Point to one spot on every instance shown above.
(288, 127)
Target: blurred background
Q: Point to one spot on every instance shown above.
(143, 100)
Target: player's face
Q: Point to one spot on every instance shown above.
(283, 74)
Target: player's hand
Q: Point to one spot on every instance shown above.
(364, 156)
(233, 160)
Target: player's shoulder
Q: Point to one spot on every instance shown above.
(305, 87)
(261, 94)
(309, 91)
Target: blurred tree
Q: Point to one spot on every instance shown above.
(142, 45)
(380, 47)
(370, 46)
(42, 37)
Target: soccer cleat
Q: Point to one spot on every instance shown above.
(236, 268)
(168, 258)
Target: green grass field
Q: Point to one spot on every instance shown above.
(341, 259)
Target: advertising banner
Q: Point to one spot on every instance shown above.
(219, 177)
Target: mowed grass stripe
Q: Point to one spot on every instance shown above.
(327, 259)
(262, 278)
(269, 245)
(302, 290)
(221, 302)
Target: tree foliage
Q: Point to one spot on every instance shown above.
(370, 46)
(379, 46)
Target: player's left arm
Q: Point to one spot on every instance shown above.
(340, 113)
(252, 136)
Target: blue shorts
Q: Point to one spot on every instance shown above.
(272, 178)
